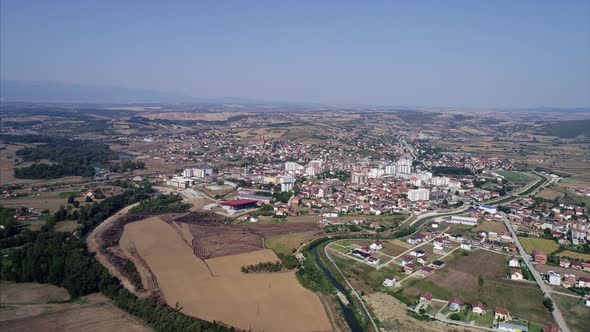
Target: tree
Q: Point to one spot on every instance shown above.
(548, 303)
(71, 199)
(220, 182)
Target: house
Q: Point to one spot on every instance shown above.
(512, 327)
(479, 308)
(502, 314)
(438, 264)
(539, 256)
(554, 278)
(422, 260)
(587, 300)
(425, 271)
(466, 245)
(515, 274)
(426, 297)
(389, 281)
(407, 260)
(455, 303)
(409, 268)
(584, 282)
(377, 245)
(414, 240)
(417, 253)
(373, 260)
(513, 262)
(576, 265)
(550, 327)
(564, 262)
(569, 280)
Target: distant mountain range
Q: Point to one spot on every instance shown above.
(46, 91)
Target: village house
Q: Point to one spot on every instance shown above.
(583, 282)
(373, 260)
(455, 303)
(502, 314)
(539, 256)
(466, 245)
(554, 278)
(407, 260)
(438, 264)
(377, 245)
(479, 308)
(513, 262)
(409, 268)
(515, 274)
(426, 298)
(389, 281)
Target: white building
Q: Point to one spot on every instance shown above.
(389, 281)
(515, 274)
(377, 245)
(293, 167)
(466, 245)
(287, 183)
(554, 278)
(513, 262)
(488, 208)
(390, 169)
(359, 178)
(469, 221)
(376, 172)
(197, 172)
(419, 194)
(404, 166)
(440, 181)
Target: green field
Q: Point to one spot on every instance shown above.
(575, 255)
(531, 243)
(515, 176)
(67, 194)
(577, 316)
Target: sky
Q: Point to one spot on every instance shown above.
(472, 53)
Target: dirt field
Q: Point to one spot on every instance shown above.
(30, 292)
(532, 243)
(401, 243)
(392, 314)
(27, 307)
(211, 237)
(576, 314)
(549, 193)
(262, 301)
(491, 226)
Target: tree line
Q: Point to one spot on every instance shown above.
(263, 267)
(162, 203)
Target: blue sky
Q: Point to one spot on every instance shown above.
(424, 53)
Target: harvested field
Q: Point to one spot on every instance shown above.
(97, 317)
(212, 237)
(30, 292)
(532, 243)
(491, 226)
(33, 307)
(261, 301)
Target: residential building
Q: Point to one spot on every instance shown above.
(554, 278)
(479, 308)
(455, 303)
(426, 297)
(515, 274)
(389, 281)
(419, 194)
(539, 256)
(502, 314)
(359, 178)
(513, 262)
(502, 326)
(377, 245)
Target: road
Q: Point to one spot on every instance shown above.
(544, 288)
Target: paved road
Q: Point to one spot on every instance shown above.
(544, 288)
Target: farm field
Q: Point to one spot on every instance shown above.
(40, 307)
(576, 315)
(549, 193)
(575, 255)
(259, 301)
(532, 243)
(546, 268)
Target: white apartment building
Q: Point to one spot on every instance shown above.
(293, 167)
(441, 181)
(287, 183)
(390, 169)
(359, 178)
(419, 194)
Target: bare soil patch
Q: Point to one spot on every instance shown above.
(30, 292)
(491, 226)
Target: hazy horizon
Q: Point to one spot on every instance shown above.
(430, 54)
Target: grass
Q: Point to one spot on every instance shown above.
(67, 226)
(577, 316)
(484, 320)
(338, 248)
(437, 291)
(67, 194)
(525, 302)
(531, 243)
(515, 176)
(575, 255)
(286, 243)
